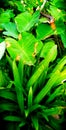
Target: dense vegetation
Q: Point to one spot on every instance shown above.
(32, 64)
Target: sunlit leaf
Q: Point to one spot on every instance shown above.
(10, 29)
(44, 31)
(25, 21)
(30, 97)
(26, 48)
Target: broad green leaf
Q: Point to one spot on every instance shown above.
(30, 97)
(5, 16)
(46, 48)
(10, 29)
(18, 87)
(44, 31)
(26, 48)
(47, 87)
(25, 21)
(12, 118)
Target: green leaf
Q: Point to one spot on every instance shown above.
(8, 107)
(26, 48)
(5, 16)
(60, 65)
(30, 97)
(12, 118)
(63, 38)
(34, 107)
(58, 91)
(6, 94)
(10, 29)
(55, 12)
(35, 122)
(47, 87)
(25, 21)
(18, 87)
(53, 111)
(4, 79)
(62, 78)
(46, 48)
(43, 65)
(44, 31)
(21, 70)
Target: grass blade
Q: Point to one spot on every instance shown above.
(12, 118)
(47, 87)
(6, 94)
(35, 122)
(30, 97)
(18, 87)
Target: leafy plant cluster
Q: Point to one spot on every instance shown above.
(33, 64)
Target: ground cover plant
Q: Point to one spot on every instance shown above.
(32, 65)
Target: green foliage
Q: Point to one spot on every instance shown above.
(25, 21)
(33, 64)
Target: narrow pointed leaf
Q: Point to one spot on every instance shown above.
(43, 65)
(47, 87)
(12, 118)
(8, 107)
(18, 87)
(35, 122)
(30, 97)
(6, 94)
